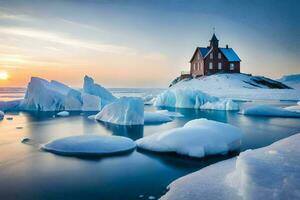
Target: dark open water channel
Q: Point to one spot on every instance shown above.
(29, 173)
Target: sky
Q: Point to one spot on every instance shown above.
(136, 43)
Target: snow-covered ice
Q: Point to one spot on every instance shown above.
(197, 138)
(238, 86)
(193, 98)
(90, 87)
(295, 108)
(1, 115)
(92, 117)
(271, 111)
(170, 113)
(271, 172)
(124, 111)
(63, 114)
(155, 118)
(89, 145)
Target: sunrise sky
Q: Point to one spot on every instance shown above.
(141, 43)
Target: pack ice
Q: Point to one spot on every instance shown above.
(272, 111)
(197, 138)
(271, 172)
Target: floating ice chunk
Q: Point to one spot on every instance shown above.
(198, 138)
(89, 145)
(295, 108)
(169, 113)
(156, 118)
(63, 114)
(225, 104)
(10, 105)
(124, 111)
(1, 115)
(271, 111)
(94, 89)
(92, 117)
(271, 172)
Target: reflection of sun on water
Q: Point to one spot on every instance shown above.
(3, 75)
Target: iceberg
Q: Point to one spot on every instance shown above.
(10, 105)
(123, 111)
(63, 114)
(1, 115)
(89, 145)
(92, 88)
(270, 111)
(192, 98)
(197, 138)
(271, 172)
(42, 95)
(156, 118)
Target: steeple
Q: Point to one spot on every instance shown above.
(214, 42)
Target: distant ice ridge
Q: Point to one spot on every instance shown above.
(193, 98)
(89, 145)
(1, 115)
(197, 138)
(271, 173)
(124, 111)
(42, 95)
(272, 111)
(291, 80)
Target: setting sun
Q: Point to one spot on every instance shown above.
(3, 75)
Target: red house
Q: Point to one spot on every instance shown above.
(212, 59)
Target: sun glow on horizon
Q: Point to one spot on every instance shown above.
(3, 75)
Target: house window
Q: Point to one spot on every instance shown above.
(210, 65)
(219, 66)
(219, 55)
(211, 55)
(231, 66)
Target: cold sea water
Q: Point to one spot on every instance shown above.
(26, 172)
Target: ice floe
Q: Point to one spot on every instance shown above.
(271, 172)
(63, 114)
(155, 118)
(89, 145)
(124, 111)
(270, 111)
(170, 113)
(197, 138)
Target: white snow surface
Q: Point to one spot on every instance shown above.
(235, 86)
(193, 98)
(156, 118)
(42, 95)
(271, 111)
(1, 115)
(271, 173)
(197, 138)
(295, 108)
(124, 111)
(170, 113)
(89, 145)
(63, 114)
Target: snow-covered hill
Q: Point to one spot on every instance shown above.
(239, 86)
(291, 80)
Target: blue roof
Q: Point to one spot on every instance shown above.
(203, 51)
(230, 54)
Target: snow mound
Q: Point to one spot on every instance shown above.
(92, 88)
(169, 113)
(63, 114)
(271, 172)
(155, 118)
(192, 98)
(124, 111)
(42, 95)
(271, 111)
(239, 86)
(197, 138)
(89, 145)
(1, 115)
